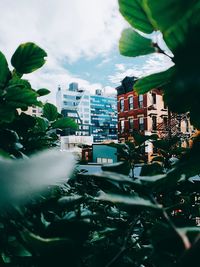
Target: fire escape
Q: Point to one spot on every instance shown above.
(171, 125)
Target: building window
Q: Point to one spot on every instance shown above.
(104, 160)
(153, 98)
(121, 104)
(130, 123)
(187, 125)
(165, 122)
(130, 102)
(164, 105)
(121, 126)
(141, 123)
(154, 123)
(140, 101)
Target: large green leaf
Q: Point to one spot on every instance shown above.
(50, 112)
(141, 139)
(133, 201)
(176, 19)
(132, 44)
(28, 57)
(43, 91)
(133, 11)
(41, 126)
(21, 98)
(164, 14)
(64, 123)
(7, 113)
(4, 70)
(152, 81)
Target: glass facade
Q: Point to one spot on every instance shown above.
(103, 118)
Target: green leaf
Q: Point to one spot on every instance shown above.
(115, 177)
(195, 116)
(141, 139)
(133, 201)
(50, 112)
(133, 11)
(42, 125)
(7, 113)
(43, 91)
(4, 70)
(23, 123)
(119, 167)
(151, 169)
(132, 44)
(28, 57)
(70, 201)
(17, 82)
(165, 13)
(152, 81)
(184, 16)
(21, 97)
(64, 123)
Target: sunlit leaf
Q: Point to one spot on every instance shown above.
(152, 81)
(132, 44)
(28, 57)
(133, 11)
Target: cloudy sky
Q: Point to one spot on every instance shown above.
(81, 40)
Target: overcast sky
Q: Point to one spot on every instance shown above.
(81, 40)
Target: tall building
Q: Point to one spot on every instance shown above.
(103, 117)
(75, 103)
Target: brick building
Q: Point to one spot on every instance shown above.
(148, 114)
(140, 112)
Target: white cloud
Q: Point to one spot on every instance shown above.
(103, 62)
(120, 67)
(154, 63)
(67, 30)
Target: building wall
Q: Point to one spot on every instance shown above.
(103, 118)
(104, 154)
(33, 111)
(128, 113)
(75, 103)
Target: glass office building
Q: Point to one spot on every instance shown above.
(103, 117)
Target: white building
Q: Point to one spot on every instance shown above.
(75, 103)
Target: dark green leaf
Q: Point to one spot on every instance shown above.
(50, 112)
(43, 91)
(7, 113)
(70, 201)
(182, 15)
(64, 123)
(166, 13)
(120, 167)
(132, 44)
(124, 200)
(42, 125)
(141, 138)
(133, 11)
(116, 177)
(17, 82)
(18, 97)
(4, 70)
(152, 81)
(23, 123)
(28, 57)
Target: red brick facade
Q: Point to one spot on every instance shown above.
(127, 112)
